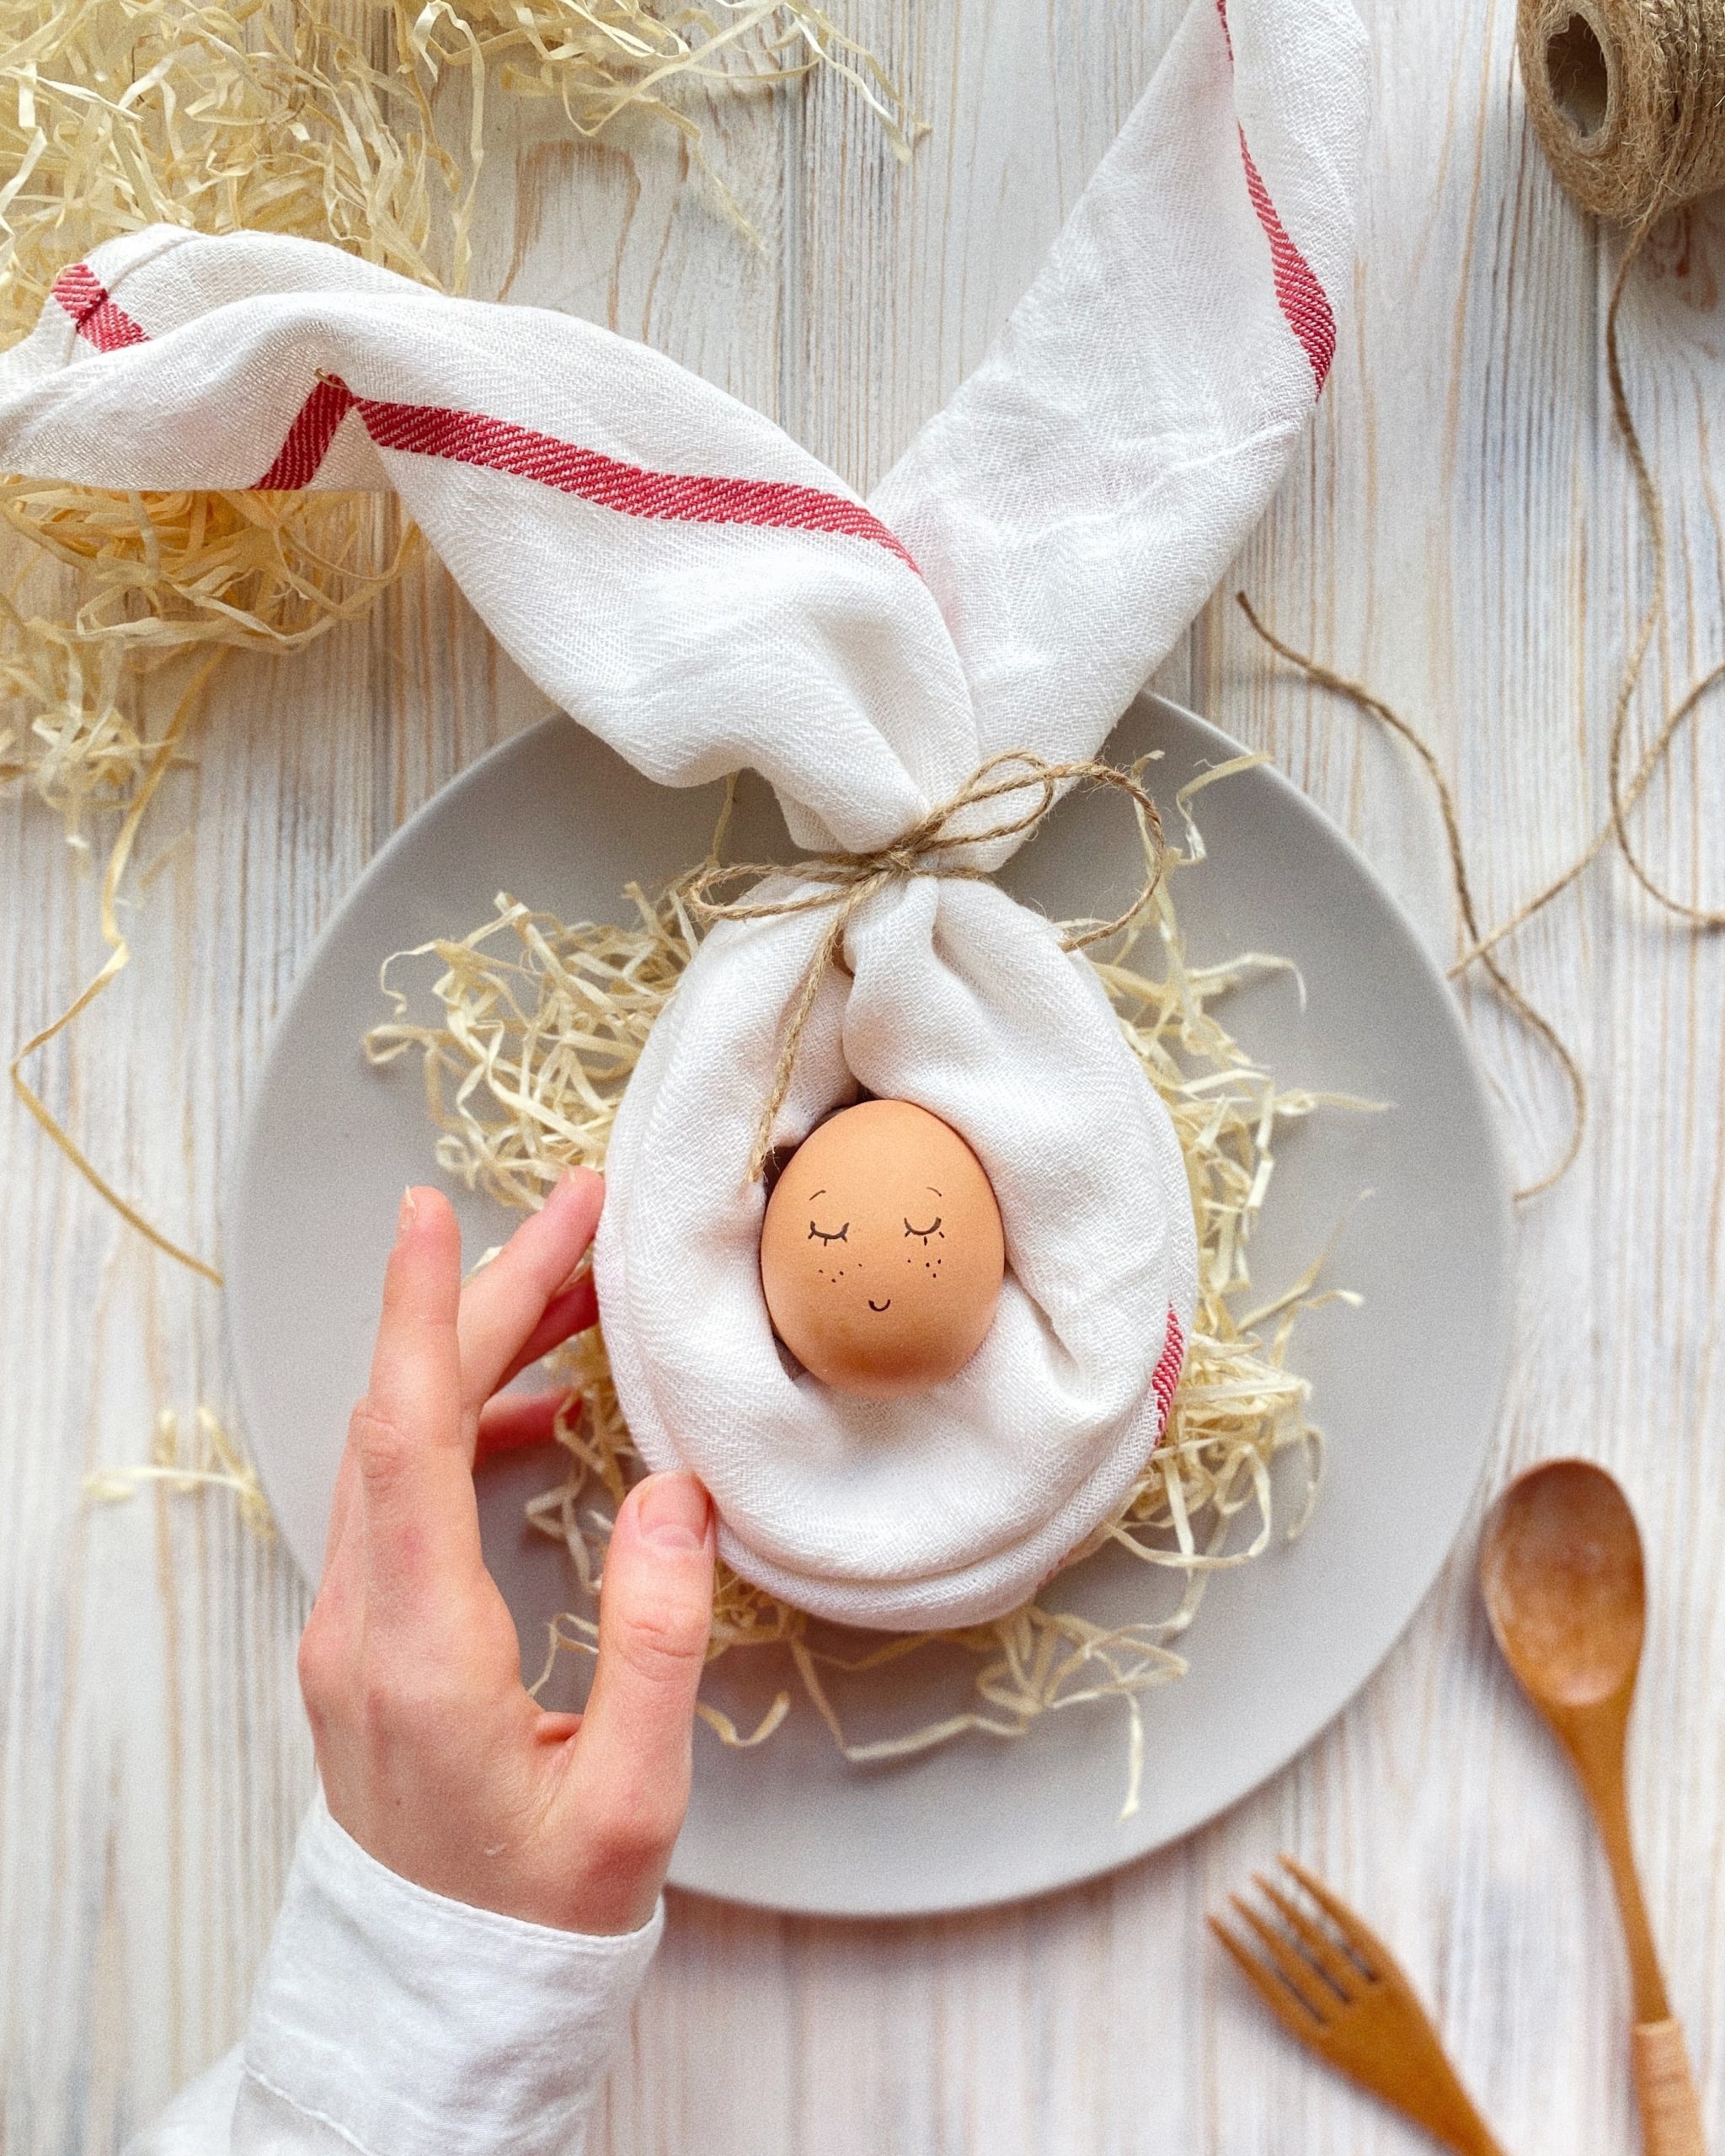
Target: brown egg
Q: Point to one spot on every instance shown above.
(881, 1253)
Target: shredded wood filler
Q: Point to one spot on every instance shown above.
(538, 1026)
(207, 1457)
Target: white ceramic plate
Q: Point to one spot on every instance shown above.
(1406, 1390)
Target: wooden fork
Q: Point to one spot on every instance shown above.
(1348, 2001)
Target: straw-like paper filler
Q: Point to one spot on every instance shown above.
(539, 1025)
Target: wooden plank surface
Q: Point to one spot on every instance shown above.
(1461, 529)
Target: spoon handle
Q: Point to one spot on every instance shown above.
(1670, 2109)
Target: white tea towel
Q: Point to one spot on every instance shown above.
(1010, 584)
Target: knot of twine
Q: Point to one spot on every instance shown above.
(1627, 97)
(935, 844)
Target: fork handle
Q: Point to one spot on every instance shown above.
(1664, 2087)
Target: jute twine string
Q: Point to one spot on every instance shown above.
(1627, 97)
(937, 844)
(1479, 951)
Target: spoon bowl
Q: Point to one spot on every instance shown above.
(1561, 1573)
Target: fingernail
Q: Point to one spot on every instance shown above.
(674, 1513)
(566, 1185)
(404, 1220)
(562, 1190)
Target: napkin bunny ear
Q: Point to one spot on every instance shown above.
(668, 566)
(1075, 503)
(664, 561)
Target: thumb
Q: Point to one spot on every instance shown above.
(655, 1613)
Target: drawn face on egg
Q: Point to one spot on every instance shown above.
(881, 1253)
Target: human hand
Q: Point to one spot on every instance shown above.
(432, 1754)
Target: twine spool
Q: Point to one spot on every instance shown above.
(1627, 97)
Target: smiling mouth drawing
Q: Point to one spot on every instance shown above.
(878, 1307)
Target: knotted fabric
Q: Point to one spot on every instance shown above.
(690, 584)
(936, 845)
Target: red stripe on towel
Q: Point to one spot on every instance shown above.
(308, 438)
(94, 315)
(1304, 305)
(499, 445)
(672, 497)
(1163, 1379)
(1166, 1373)
(1299, 293)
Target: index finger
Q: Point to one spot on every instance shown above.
(421, 1519)
(525, 1302)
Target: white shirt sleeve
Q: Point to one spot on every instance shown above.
(390, 2020)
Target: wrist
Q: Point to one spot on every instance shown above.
(425, 2025)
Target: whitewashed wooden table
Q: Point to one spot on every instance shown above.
(1461, 530)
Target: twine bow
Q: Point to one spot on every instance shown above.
(936, 845)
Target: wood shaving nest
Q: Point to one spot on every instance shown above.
(538, 1026)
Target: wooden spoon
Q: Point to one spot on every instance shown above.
(1561, 1571)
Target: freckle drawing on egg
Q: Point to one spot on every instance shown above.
(875, 1177)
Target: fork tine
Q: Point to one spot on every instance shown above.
(1366, 1947)
(1345, 1976)
(1296, 1972)
(1290, 2009)
(1379, 2034)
